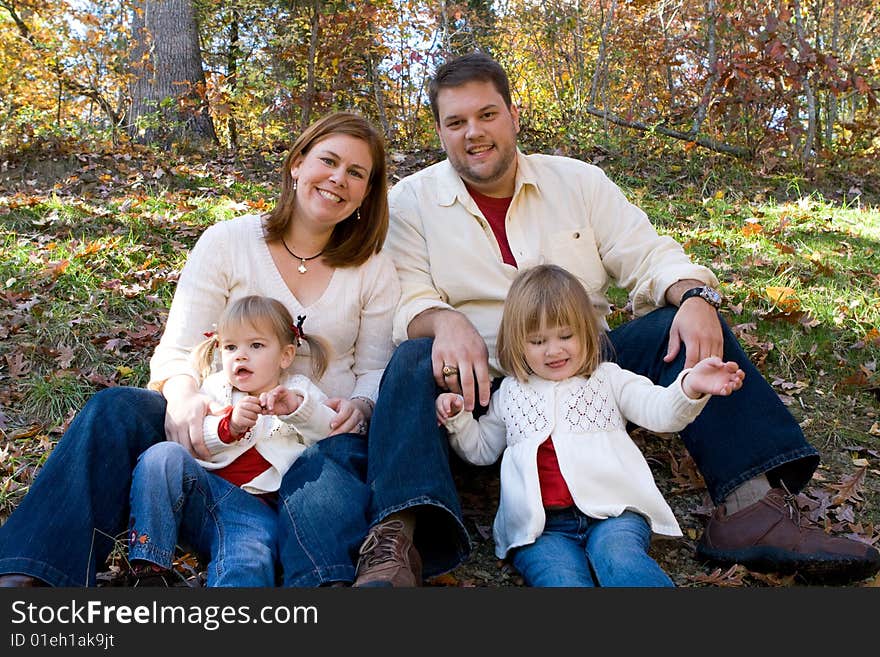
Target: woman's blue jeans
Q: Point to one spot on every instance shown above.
(77, 507)
(173, 498)
(576, 550)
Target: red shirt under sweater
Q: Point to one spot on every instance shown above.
(248, 465)
(554, 490)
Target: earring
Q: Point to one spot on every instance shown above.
(357, 214)
(294, 185)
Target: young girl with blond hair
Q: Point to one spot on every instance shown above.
(261, 419)
(578, 502)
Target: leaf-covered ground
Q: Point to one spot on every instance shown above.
(91, 244)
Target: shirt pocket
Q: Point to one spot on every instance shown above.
(574, 249)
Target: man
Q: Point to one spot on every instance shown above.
(460, 231)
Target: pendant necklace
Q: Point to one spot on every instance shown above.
(302, 261)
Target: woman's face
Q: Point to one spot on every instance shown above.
(331, 180)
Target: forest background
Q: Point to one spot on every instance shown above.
(747, 129)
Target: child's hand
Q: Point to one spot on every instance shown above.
(244, 416)
(448, 405)
(712, 376)
(280, 401)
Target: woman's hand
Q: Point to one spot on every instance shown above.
(350, 416)
(185, 413)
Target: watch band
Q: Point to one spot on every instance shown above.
(706, 293)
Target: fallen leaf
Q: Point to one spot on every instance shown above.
(784, 297)
(849, 487)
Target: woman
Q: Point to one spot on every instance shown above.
(318, 253)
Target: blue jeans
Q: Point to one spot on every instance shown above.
(733, 438)
(173, 497)
(403, 464)
(64, 528)
(576, 550)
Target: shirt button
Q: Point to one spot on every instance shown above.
(577, 236)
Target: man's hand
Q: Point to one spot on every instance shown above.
(185, 412)
(457, 345)
(696, 324)
(244, 416)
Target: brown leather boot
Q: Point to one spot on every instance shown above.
(388, 558)
(17, 580)
(770, 535)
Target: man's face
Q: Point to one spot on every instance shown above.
(478, 132)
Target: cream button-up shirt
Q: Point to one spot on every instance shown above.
(563, 212)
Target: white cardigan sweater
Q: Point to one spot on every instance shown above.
(279, 439)
(604, 469)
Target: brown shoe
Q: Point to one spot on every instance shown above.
(17, 580)
(770, 535)
(388, 558)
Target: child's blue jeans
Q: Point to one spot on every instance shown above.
(173, 498)
(576, 550)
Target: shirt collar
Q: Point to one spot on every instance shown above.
(450, 187)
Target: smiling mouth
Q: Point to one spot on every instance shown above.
(556, 364)
(479, 150)
(330, 196)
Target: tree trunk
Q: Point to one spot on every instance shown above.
(712, 61)
(831, 117)
(807, 152)
(168, 101)
(311, 83)
(232, 55)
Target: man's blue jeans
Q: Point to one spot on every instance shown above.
(174, 498)
(733, 438)
(576, 550)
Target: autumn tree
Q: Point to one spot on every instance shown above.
(61, 68)
(168, 91)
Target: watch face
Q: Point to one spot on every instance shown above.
(711, 296)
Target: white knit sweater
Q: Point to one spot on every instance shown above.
(604, 469)
(231, 260)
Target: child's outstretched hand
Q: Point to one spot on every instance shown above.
(712, 376)
(244, 416)
(448, 405)
(280, 401)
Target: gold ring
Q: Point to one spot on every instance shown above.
(449, 370)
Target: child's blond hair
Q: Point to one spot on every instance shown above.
(539, 298)
(255, 310)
